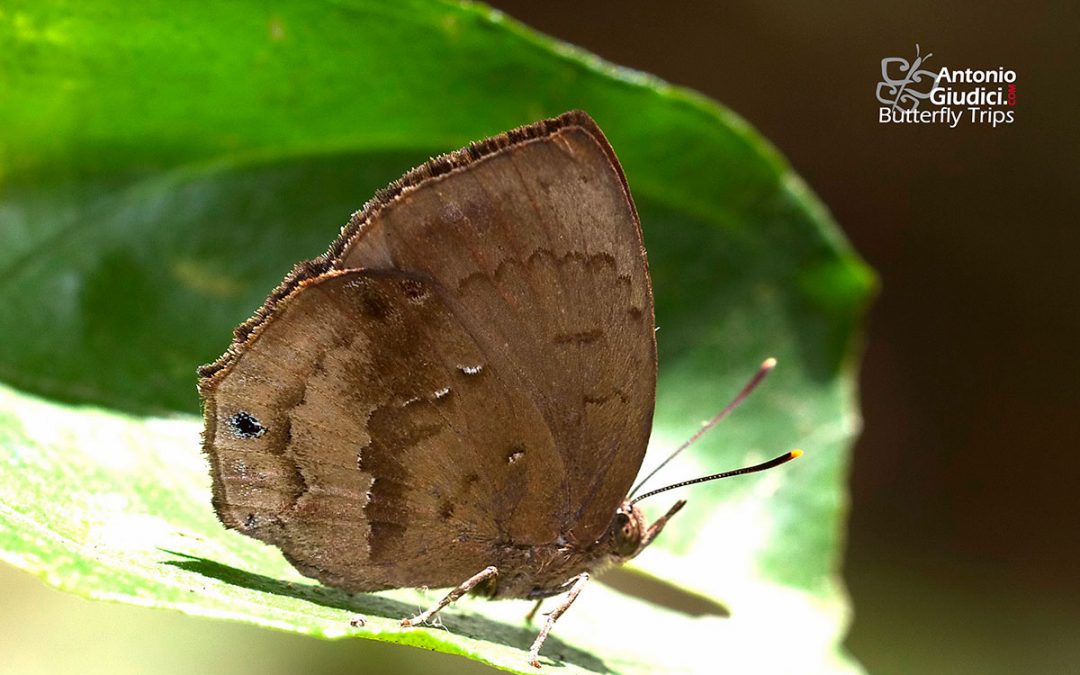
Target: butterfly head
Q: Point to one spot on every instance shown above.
(629, 532)
(626, 531)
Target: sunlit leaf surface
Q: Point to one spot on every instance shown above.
(162, 165)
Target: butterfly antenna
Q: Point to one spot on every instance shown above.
(777, 461)
(764, 370)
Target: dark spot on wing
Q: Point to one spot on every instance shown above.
(372, 302)
(245, 425)
(581, 337)
(414, 290)
(446, 509)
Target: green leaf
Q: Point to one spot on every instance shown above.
(162, 165)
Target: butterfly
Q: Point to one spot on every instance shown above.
(459, 393)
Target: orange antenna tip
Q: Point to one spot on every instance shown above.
(796, 453)
(768, 364)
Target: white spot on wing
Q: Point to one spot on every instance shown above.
(442, 393)
(471, 370)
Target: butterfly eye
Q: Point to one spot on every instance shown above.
(621, 521)
(625, 535)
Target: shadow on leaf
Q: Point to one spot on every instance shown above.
(657, 591)
(468, 625)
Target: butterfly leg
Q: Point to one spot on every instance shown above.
(469, 584)
(541, 595)
(553, 616)
(532, 612)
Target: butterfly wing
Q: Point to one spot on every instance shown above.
(471, 366)
(348, 433)
(536, 240)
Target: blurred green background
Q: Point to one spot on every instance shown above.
(963, 547)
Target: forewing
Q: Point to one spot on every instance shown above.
(364, 431)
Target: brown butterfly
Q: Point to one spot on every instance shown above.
(459, 393)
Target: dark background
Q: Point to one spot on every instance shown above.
(964, 546)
